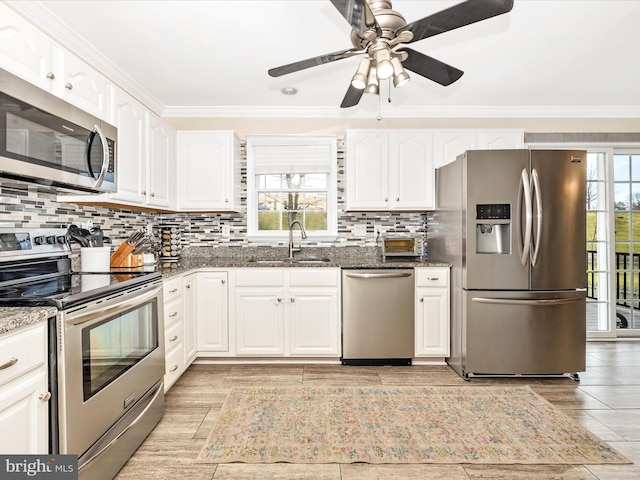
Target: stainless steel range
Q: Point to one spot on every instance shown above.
(106, 347)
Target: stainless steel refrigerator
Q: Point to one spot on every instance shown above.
(512, 223)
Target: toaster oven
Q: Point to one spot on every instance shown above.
(402, 246)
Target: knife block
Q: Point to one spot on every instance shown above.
(119, 257)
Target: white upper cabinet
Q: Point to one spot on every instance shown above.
(208, 171)
(26, 51)
(389, 170)
(129, 117)
(32, 55)
(161, 163)
(451, 143)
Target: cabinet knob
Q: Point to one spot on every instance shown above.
(433, 278)
(223, 281)
(173, 290)
(68, 86)
(51, 76)
(292, 299)
(386, 199)
(44, 396)
(12, 361)
(144, 192)
(226, 200)
(174, 368)
(173, 314)
(174, 338)
(397, 199)
(422, 299)
(153, 194)
(188, 286)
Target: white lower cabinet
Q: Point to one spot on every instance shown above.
(212, 311)
(287, 312)
(24, 391)
(179, 326)
(432, 302)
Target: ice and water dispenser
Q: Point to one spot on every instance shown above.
(493, 228)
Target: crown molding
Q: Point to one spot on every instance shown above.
(403, 112)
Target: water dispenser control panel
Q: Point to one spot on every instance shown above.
(493, 228)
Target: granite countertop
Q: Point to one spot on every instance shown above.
(245, 257)
(12, 318)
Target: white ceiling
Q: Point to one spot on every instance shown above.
(558, 57)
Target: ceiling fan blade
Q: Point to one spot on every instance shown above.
(459, 15)
(352, 97)
(430, 68)
(313, 62)
(359, 15)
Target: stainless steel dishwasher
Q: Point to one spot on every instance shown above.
(377, 317)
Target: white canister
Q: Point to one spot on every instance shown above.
(95, 259)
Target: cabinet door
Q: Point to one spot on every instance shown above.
(211, 311)
(432, 322)
(314, 321)
(411, 173)
(450, 144)
(160, 162)
(206, 170)
(81, 85)
(189, 319)
(367, 167)
(259, 321)
(128, 115)
(26, 51)
(500, 139)
(25, 414)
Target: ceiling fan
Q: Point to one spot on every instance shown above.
(378, 32)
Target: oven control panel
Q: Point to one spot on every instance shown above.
(24, 242)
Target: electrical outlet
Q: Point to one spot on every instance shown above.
(360, 230)
(149, 229)
(226, 231)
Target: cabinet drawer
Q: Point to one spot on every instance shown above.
(314, 277)
(174, 365)
(173, 311)
(432, 277)
(260, 277)
(21, 351)
(172, 289)
(172, 336)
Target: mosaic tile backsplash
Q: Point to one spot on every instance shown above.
(28, 207)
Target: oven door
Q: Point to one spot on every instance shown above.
(110, 354)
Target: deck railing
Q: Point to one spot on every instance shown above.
(627, 273)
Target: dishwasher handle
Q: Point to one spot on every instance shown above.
(380, 275)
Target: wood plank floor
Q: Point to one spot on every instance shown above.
(606, 401)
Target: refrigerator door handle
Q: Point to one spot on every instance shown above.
(516, 301)
(538, 197)
(524, 241)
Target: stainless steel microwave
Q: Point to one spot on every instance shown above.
(47, 141)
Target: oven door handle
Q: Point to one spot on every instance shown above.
(113, 309)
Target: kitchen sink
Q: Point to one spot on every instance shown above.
(288, 261)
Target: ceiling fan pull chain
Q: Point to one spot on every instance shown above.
(389, 87)
(379, 117)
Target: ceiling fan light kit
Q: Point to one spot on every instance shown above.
(376, 32)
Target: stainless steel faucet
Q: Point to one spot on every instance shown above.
(293, 250)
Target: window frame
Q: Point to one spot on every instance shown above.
(328, 235)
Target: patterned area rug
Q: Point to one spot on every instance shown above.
(490, 425)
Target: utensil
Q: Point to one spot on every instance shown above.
(97, 237)
(80, 235)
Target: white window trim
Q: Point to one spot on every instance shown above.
(328, 235)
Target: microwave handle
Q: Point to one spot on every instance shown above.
(105, 154)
